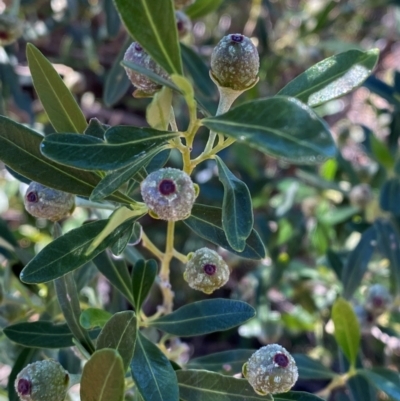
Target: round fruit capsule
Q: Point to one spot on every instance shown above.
(169, 193)
(378, 299)
(271, 369)
(206, 271)
(48, 203)
(10, 29)
(42, 381)
(137, 55)
(235, 62)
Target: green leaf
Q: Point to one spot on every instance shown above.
(58, 102)
(206, 221)
(131, 234)
(332, 77)
(143, 275)
(204, 317)
(152, 24)
(117, 82)
(383, 379)
(96, 128)
(296, 396)
(279, 126)
(113, 22)
(388, 245)
(359, 388)
(150, 74)
(94, 317)
(311, 369)
(158, 112)
(199, 71)
(381, 152)
(119, 333)
(112, 181)
(124, 145)
(200, 385)
(225, 362)
(357, 262)
(23, 359)
(103, 377)
(237, 209)
(338, 215)
(116, 272)
(68, 299)
(40, 334)
(20, 150)
(347, 329)
(389, 196)
(152, 372)
(202, 7)
(68, 252)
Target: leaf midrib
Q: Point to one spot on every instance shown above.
(322, 83)
(33, 53)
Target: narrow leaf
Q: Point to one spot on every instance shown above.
(389, 247)
(225, 362)
(200, 385)
(152, 24)
(158, 112)
(332, 77)
(20, 150)
(40, 334)
(143, 276)
(119, 333)
(206, 221)
(383, 379)
(264, 124)
(117, 82)
(58, 102)
(237, 209)
(103, 377)
(131, 235)
(124, 145)
(153, 373)
(357, 262)
(200, 8)
(296, 396)
(204, 317)
(94, 317)
(118, 275)
(112, 181)
(347, 329)
(68, 252)
(311, 369)
(390, 192)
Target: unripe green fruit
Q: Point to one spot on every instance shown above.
(378, 299)
(183, 24)
(183, 3)
(271, 369)
(235, 62)
(42, 381)
(169, 193)
(137, 55)
(48, 203)
(206, 271)
(10, 29)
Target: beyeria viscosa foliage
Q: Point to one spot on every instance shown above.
(48, 203)
(137, 55)
(235, 62)
(169, 193)
(206, 271)
(271, 369)
(42, 381)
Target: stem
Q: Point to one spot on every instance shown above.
(165, 285)
(147, 243)
(181, 257)
(226, 98)
(68, 299)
